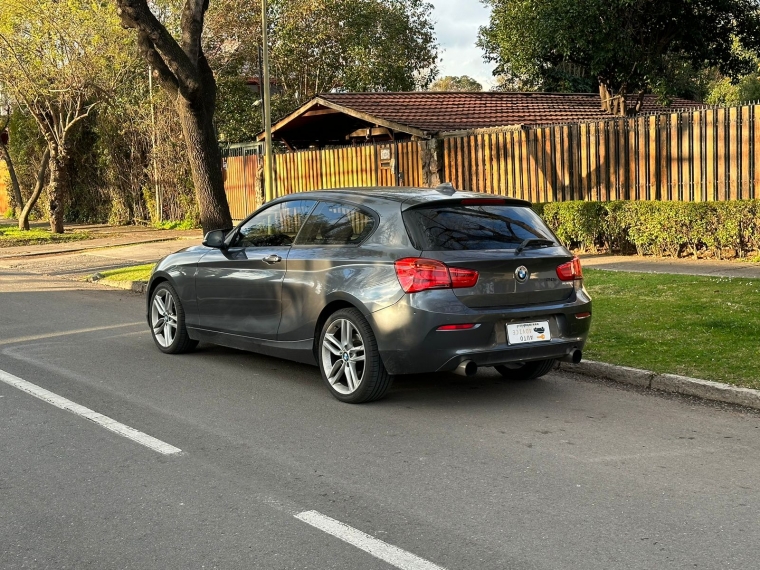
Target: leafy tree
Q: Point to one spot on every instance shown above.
(182, 69)
(723, 90)
(456, 83)
(58, 60)
(23, 207)
(319, 46)
(628, 46)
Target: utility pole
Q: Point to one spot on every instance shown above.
(268, 174)
(159, 205)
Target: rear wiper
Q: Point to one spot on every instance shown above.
(533, 242)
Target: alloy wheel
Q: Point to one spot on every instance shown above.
(343, 356)
(163, 317)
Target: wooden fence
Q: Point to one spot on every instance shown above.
(709, 154)
(697, 155)
(393, 164)
(5, 200)
(240, 183)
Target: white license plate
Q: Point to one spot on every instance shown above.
(528, 332)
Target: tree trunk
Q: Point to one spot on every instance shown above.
(17, 197)
(23, 218)
(613, 104)
(59, 178)
(205, 164)
(605, 98)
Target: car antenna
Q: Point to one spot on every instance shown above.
(446, 188)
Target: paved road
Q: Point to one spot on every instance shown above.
(464, 473)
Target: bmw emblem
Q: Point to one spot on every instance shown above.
(521, 274)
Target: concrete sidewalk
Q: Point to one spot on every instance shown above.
(118, 236)
(685, 266)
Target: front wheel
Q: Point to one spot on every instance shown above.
(349, 360)
(167, 321)
(526, 370)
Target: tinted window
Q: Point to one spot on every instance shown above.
(277, 225)
(336, 224)
(473, 227)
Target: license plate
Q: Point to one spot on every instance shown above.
(521, 333)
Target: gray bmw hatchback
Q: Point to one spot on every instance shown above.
(374, 282)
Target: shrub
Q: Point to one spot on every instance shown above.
(657, 228)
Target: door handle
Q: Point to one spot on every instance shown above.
(274, 258)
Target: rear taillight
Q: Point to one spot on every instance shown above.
(570, 271)
(419, 274)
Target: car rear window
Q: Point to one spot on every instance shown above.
(462, 227)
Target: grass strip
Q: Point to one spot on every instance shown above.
(133, 273)
(11, 236)
(703, 327)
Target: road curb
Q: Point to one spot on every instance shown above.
(135, 286)
(705, 389)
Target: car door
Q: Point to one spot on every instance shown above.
(239, 289)
(326, 259)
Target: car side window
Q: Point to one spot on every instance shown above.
(332, 223)
(277, 225)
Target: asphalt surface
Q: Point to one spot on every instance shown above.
(466, 473)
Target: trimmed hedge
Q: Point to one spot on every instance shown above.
(657, 228)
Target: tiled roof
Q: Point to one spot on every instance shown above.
(432, 111)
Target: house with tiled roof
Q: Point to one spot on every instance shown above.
(333, 119)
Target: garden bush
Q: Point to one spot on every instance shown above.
(657, 228)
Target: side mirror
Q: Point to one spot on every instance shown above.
(215, 239)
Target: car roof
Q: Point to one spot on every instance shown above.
(407, 196)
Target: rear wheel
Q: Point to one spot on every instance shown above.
(349, 360)
(526, 370)
(167, 321)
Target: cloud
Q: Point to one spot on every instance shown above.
(456, 24)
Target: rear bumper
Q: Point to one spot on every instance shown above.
(409, 342)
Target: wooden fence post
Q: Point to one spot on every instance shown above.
(431, 155)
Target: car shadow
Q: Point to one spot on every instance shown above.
(486, 389)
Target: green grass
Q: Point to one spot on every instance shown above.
(134, 273)
(11, 235)
(704, 327)
(176, 225)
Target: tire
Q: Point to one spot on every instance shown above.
(526, 371)
(167, 321)
(349, 361)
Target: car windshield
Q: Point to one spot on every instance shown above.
(464, 227)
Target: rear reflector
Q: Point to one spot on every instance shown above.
(456, 327)
(570, 271)
(582, 315)
(419, 274)
(483, 202)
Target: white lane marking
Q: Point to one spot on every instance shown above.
(66, 333)
(377, 548)
(104, 421)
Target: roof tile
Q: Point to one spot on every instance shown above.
(434, 111)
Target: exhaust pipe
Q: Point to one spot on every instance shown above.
(575, 356)
(466, 368)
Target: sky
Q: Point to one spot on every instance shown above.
(456, 24)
